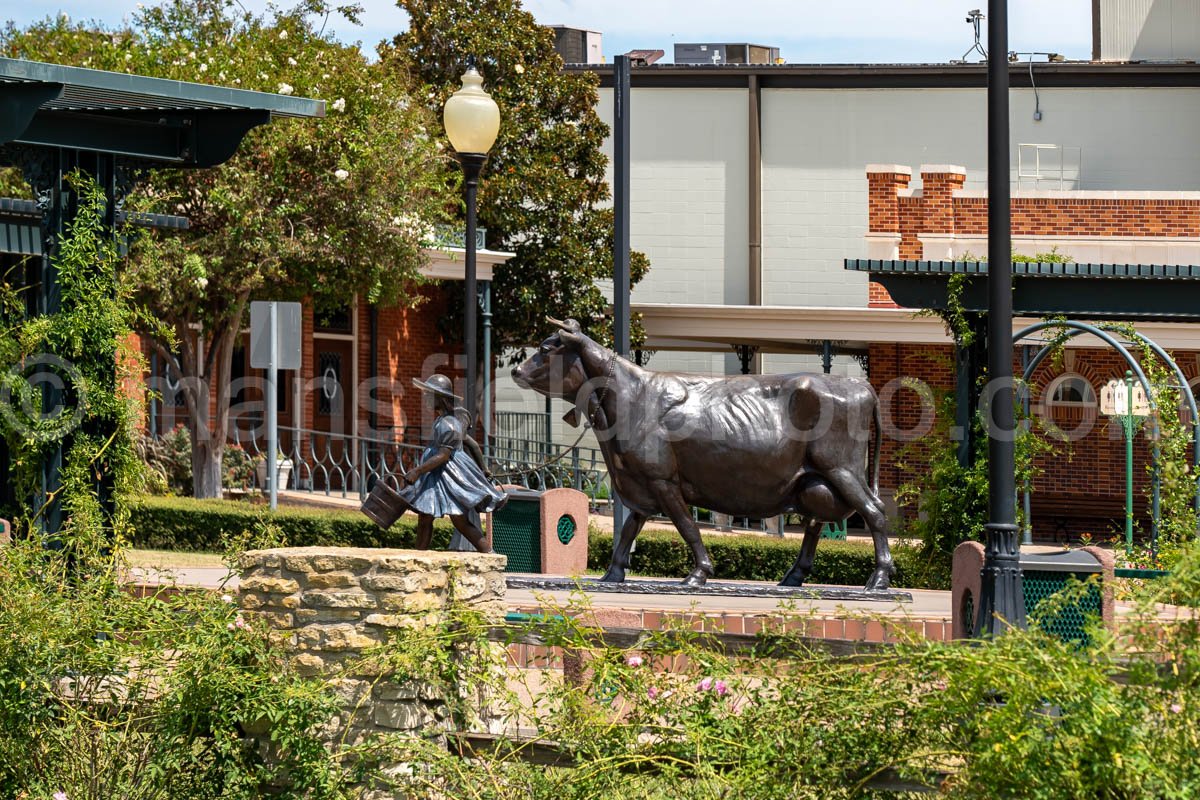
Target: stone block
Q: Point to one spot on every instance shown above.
(402, 716)
(401, 621)
(307, 616)
(252, 600)
(308, 664)
(391, 691)
(286, 602)
(469, 587)
(276, 619)
(411, 602)
(326, 599)
(400, 582)
(350, 692)
(331, 580)
(262, 583)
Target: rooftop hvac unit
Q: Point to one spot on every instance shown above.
(725, 53)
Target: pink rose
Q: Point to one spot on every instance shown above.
(1176, 708)
(705, 684)
(634, 661)
(652, 692)
(720, 688)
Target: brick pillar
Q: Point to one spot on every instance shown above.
(939, 183)
(885, 183)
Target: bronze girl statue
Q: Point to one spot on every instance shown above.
(448, 481)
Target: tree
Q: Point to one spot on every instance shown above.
(543, 190)
(318, 209)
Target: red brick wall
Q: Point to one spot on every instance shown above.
(936, 209)
(1081, 488)
(1034, 216)
(410, 346)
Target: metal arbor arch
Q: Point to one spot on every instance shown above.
(1101, 332)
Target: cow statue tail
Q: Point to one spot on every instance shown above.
(876, 449)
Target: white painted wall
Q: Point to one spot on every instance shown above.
(1149, 30)
(690, 179)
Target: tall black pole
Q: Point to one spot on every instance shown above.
(1002, 601)
(620, 231)
(472, 164)
(621, 204)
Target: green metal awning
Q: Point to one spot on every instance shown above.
(21, 231)
(172, 122)
(1076, 291)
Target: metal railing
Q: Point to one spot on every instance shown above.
(336, 464)
(341, 465)
(531, 426)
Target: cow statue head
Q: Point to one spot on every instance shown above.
(557, 368)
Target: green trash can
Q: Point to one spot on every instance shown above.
(543, 533)
(1045, 571)
(1045, 574)
(516, 530)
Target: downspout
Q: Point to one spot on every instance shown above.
(373, 366)
(754, 203)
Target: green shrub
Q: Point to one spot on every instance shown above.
(183, 523)
(104, 694)
(758, 557)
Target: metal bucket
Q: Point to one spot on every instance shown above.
(384, 505)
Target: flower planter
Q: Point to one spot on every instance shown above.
(285, 472)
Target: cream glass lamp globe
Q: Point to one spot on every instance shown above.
(471, 116)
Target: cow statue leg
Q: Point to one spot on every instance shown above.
(673, 504)
(623, 546)
(865, 503)
(808, 548)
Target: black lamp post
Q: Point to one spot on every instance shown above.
(472, 121)
(1002, 598)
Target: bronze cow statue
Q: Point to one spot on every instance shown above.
(749, 445)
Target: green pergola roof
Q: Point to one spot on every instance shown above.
(1084, 291)
(172, 122)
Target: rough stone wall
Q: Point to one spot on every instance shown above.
(333, 605)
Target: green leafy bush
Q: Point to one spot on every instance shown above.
(758, 557)
(673, 716)
(186, 524)
(108, 695)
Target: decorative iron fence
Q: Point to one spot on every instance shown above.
(335, 464)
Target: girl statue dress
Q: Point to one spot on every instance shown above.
(449, 481)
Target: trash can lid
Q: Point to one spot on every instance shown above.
(523, 494)
(1060, 561)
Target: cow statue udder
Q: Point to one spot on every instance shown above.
(749, 445)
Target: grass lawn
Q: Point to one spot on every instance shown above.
(167, 559)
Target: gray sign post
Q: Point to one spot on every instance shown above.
(274, 345)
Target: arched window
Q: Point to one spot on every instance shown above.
(1071, 390)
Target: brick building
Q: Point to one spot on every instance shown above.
(357, 363)
(1081, 486)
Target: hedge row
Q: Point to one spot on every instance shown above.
(183, 523)
(759, 557)
(177, 523)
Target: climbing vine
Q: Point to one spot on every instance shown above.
(84, 348)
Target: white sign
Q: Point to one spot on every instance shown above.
(287, 334)
(1115, 397)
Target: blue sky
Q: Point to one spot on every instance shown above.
(807, 31)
